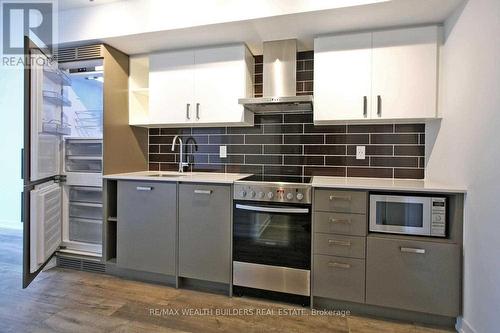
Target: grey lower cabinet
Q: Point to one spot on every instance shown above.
(421, 276)
(205, 232)
(146, 226)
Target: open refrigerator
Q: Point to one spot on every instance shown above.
(62, 159)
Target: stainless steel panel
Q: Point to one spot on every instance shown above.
(280, 68)
(273, 278)
(259, 191)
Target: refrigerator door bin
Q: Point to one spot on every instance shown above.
(85, 210)
(85, 231)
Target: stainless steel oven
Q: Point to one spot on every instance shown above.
(412, 215)
(272, 238)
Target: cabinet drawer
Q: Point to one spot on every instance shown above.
(340, 223)
(339, 278)
(413, 275)
(340, 201)
(339, 245)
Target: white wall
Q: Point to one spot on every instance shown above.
(11, 129)
(466, 150)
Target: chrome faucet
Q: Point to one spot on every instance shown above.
(181, 154)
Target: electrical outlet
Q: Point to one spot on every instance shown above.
(360, 152)
(222, 151)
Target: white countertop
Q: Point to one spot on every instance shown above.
(385, 184)
(194, 177)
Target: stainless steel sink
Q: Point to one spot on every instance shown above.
(164, 175)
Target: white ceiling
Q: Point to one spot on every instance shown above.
(302, 26)
(71, 4)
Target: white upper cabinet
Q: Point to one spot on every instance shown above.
(405, 73)
(198, 87)
(171, 87)
(342, 77)
(376, 76)
(222, 75)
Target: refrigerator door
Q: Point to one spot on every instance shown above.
(41, 164)
(46, 125)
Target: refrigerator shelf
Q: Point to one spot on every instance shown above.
(50, 127)
(55, 98)
(83, 157)
(57, 76)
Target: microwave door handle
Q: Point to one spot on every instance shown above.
(273, 209)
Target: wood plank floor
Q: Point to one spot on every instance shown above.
(70, 301)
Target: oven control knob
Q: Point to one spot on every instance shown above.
(243, 194)
(260, 195)
(270, 195)
(300, 196)
(252, 194)
(289, 196)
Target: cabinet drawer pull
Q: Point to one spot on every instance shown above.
(339, 243)
(334, 220)
(144, 188)
(187, 111)
(198, 111)
(340, 197)
(412, 250)
(379, 105)
(365, 107)
(339, 265)
(207, 192)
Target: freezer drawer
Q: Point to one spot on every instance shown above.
(85, 231)
(85, 210)
(85, 194)
(83, 164)
(83, 148)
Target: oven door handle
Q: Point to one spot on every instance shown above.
(273, 209)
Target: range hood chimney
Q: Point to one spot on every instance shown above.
(279, 81)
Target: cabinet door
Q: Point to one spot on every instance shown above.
(342, 77)
(220, 80)
(205, 232)
(171, 88)
(413, 275)
(405, 73)
(146, 226)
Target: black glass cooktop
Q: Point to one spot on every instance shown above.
(278, 179)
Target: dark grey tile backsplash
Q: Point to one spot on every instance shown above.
(289, 144)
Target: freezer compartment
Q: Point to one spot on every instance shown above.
(84, 148)
(85, 210)
(85, 194)
(85, 230)
(83, 164)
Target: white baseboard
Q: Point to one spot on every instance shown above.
(16, 225)
(462, 326)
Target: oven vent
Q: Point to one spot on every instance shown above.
(79, 53)
(81, 265)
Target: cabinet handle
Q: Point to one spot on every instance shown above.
(339, 243)
(187, 111)
(365, 106)
(144, 188)
(339, 265)
(340, 197)
(412, 250)
(379, 106)
(198, 111)
(207, 192)
(334, 220)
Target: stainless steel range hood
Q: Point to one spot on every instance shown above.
(279, 81)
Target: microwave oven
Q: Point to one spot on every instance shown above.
(411, 215)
